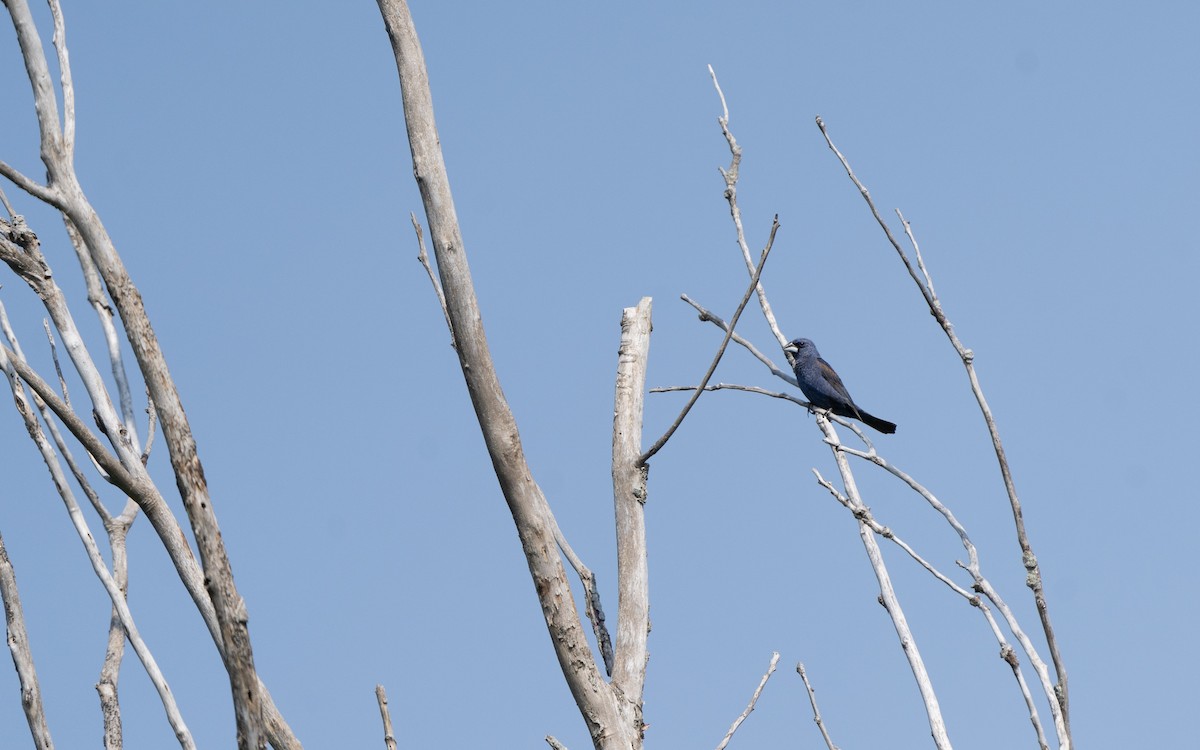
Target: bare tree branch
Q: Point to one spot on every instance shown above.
(22, 654)
(65, 193)
(753, 699)
(629, 498)
(423, 257)
(182, 734)
(720, 350)
(731, 178)
(864, 515)
(888, 597)
(924, 282)
(65, 81)
(389, 736)
(591, 598)
(812, 699)
(613, 717)
(710, 317)
(114, 651)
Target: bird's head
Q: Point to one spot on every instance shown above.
(800, 347)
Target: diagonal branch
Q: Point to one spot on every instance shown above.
(762, 262)
(731, 177)
(888, 598)
(924, 282)
(183, 735)
(812, 699)
(610, 721)
(753, 700)
(423, 257)
(22, 655)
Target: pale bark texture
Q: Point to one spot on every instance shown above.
(611, 711)
(211, 583)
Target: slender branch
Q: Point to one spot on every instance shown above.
(104, 313)
(76, 470)
(720, 350)
(864, 515)
(423, 257)
(734, 387)
(591, 597)
(753, 699)
(389, 736)
(773, 394)
(12, 215)
(553, 742)
(182, 734)
(919, 276)
(114, 651)
(710, 317)
(65, 80)
(36, 189)
(731, 177)
(888, 596)
(812, 699)
(22, 654)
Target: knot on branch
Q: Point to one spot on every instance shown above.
(1008, 654)
(19, 232)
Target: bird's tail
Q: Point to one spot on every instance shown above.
(882, 425)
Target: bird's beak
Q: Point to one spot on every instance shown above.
(791, 349)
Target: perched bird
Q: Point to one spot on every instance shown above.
(823, 388)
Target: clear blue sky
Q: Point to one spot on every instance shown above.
(250, 162)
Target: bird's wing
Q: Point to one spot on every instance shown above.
(834, 381)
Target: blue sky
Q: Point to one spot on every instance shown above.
(250, 163)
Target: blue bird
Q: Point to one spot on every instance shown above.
(823, 388)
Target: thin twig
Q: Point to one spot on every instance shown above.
(734, 387)
(62, 381)
(844, 422)
(553, 742)
(708, 316)
(591, 596)
(7, 206)
(65, 81)
(720, 350)
(730, 176)
(812, 699)
(437, 288)
(753, 699)
(389, 737)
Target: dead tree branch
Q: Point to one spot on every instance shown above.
(924, 282)
(612, 712)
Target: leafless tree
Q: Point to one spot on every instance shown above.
(607, 687)
(612, 710)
